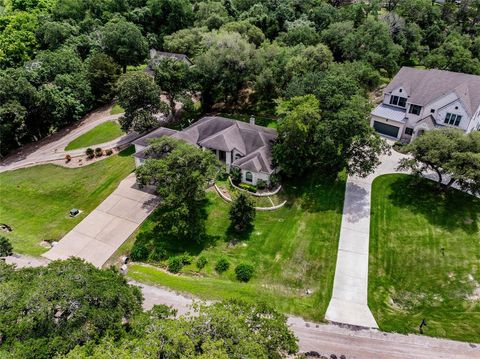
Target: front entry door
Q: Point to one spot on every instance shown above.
(222, 156)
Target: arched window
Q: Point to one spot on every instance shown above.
(248, 177)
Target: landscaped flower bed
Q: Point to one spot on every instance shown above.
(228, 191)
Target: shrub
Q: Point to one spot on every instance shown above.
(90, 153)
(6, 248)
(222, 265)
(201, 262)
(68, 158)
(222, 174)
(248, 187)
(274, 180)
(261, 184)
(186, 259)
(109, 152)
(236, 175)
(139, 252)
(98, 152)
(158, 253)
(175, 264)
(244, 272)
(242, 212)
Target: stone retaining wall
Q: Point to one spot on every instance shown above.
(264, 194)
(261, 209)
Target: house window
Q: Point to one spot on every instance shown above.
(432, 110)
(409, 131)
(452, 119)
(398, 101)
(415, 109)
(248, 177)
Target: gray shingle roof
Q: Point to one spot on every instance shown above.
(158, 55)
(390, 112)
(252, 141)
(425, 86)
(159, 132)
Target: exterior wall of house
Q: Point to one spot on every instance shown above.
(400, 125)
(475, 122)
(255, 177)
(456, 108)
(138, 161)
(401, 92)
(139, 148)
(449, 103)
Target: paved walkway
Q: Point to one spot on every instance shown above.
(349, 303)
(105, 229)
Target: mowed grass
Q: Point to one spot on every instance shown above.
(116, 109)
(35, 201)
(292, 249)
(411, 278)
(102, 133)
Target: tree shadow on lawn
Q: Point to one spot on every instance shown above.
(233, 236)
(315, 192)
(450, 210)
(173, 246)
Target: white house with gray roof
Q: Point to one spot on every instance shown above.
(417, 100)
(235, 143)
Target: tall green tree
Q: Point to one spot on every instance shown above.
(139, 96)
(169, 16)
(175, 78)
(242, 213)
(18, 42)
(258, 332)
(224, 69)
(103, 74)
(124, 41)
(313, 141)
(47, 311)
(180, 173)
(454, 55)
(452, 155)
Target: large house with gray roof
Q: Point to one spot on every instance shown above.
(235, 143)
(417, 100)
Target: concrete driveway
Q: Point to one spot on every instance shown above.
(108, 226)
(349, 302)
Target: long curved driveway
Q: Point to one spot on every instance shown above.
(55, 150)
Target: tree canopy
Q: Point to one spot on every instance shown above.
(452, 155)
(49, 310)
(180, 172)
(259, 332)
(246, 54)
(139, 96)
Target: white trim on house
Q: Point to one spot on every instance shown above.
(428, 89)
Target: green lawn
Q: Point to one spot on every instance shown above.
(116, 109)
(35, 201)
(292, 249)
(102, 133)
(409, 277)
